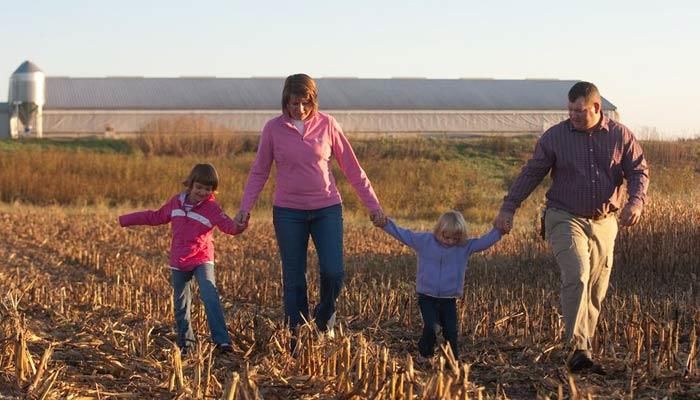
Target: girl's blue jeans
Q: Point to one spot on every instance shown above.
(182, 300)
(293, 228)
(437, 312)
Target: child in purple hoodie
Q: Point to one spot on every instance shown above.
(443, 255)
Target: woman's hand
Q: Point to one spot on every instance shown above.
(378, 218)
(241, 219)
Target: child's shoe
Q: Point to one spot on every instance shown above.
(224, 348)
(422, 360)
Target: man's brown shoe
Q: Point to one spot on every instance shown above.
(598, 369)
(579, 362)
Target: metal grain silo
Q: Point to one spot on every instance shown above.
(26, 99)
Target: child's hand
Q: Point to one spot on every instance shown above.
(378, 218)
(241, 219)
(504, 222)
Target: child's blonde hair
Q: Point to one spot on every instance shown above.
(451, 223)
(204, 174)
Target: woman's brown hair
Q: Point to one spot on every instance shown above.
(299, 85)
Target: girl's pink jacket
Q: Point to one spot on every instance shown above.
(192, 243)
(304, 178)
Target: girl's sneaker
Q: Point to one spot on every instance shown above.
(184, 351)
(224, 348)
(422, 360)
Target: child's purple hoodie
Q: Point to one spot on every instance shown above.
(441, 268)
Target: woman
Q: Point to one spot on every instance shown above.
(301, 142)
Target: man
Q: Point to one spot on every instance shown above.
(588, 155)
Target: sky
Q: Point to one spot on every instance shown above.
(644, 56)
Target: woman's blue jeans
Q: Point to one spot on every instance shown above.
(293, 228)
(182, 300)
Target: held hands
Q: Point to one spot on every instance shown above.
(631, 214)
(241, 219)
(504, 222)
(378, 218)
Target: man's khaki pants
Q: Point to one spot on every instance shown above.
(583, 249)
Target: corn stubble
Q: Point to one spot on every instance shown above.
(87, 314)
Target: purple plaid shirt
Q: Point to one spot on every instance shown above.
(587, 169)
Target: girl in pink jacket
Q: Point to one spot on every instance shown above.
(193, 214)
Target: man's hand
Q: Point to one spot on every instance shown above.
(631, 214)
(504, 222)
(241, 220)
(378, 218)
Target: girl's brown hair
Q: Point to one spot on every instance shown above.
(299, 85)
(205, 174)
(451, 223)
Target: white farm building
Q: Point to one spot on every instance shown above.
(65, 106)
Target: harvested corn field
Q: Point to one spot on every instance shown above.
(87, 314)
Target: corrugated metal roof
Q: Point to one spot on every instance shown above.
(334, 93)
